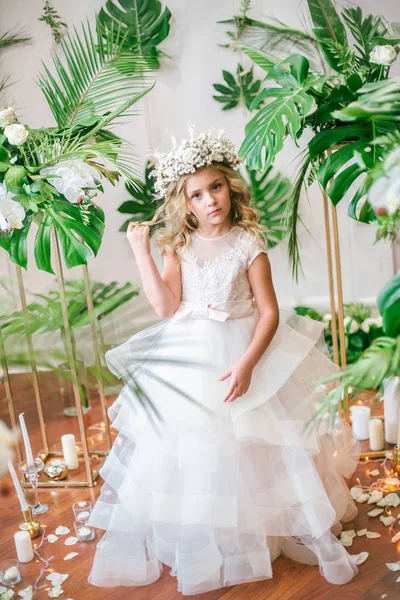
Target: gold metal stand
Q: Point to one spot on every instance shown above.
(91, 473)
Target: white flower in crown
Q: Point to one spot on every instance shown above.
(191, 155)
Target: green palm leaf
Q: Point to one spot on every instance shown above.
(267, 130)
(270, 193)
(144, 24)
(328, 28)
(101, 77)
(276, 37)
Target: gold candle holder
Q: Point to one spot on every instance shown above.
(395, 460)
(30, 524)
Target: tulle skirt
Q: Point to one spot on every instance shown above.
(217, 490)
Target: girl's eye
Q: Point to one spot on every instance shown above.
(217, 185)
(195, 196)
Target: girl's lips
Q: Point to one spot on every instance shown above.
(214, 211)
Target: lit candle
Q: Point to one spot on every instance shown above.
(69, 451)
(375, 430)
(18, 488)
(23, 545)
(360, 416)
(27, 444)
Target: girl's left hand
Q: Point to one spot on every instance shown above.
(241, 373)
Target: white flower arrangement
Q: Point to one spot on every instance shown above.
(16, 134)
(72, 178)
(12, 213)
(191, 155)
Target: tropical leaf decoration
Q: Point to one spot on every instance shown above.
(352, 115)
(270, 193)
(266, 132)
(388, 302)
(45, 312)
(380, 360)
(377, 101)
(271, 35)
(328, 29)
(234, 91)
(51, 175)
(102, 79)
(143, 24)
(51, 17)
(143, 205)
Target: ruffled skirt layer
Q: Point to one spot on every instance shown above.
(218, 490)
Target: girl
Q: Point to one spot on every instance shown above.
(228, 479)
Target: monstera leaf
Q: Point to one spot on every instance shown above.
(388, 302)
(270, 193)
(79, 231)
(291, 103)
(339, 170)
(377, 101)
(328, 29)
(234, 91)
(143, 23)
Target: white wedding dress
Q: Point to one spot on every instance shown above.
(217, 490)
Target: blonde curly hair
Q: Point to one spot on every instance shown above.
(179, 224)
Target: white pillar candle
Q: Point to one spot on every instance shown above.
(391, 407)
(375, 430)
(27, 444)
(23, 545)
(18, 488)
(360, 416)
(69, 451)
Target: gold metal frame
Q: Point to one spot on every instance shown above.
(85, 453)
(334, 267)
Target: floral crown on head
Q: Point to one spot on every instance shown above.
(191, 155)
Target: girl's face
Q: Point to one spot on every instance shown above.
(208, 197)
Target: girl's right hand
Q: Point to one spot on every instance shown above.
(138, 235)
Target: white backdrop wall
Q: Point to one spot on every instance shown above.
(183, 93)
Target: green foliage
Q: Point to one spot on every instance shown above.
(379, 100)
(267, 130)
(102, 78)
(53, 19)
(327, 28)
(269, 194)
(144, 24)
(388, 302)
(368, 32)
(45, 312)
(243, 89)
(143, 206)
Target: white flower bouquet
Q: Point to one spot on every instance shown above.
(51, 175)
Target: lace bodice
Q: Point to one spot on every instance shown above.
(214, 270)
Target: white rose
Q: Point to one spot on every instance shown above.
(7, 116)
(16, 134)
(383, 55)
(354, 326)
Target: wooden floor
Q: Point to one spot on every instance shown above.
(291, 581)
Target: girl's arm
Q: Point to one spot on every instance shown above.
(260, 279)
(162, 291)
